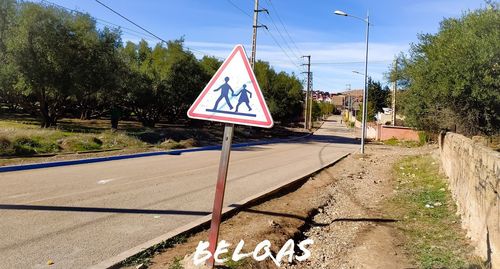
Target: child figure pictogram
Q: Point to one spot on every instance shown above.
(243, 97)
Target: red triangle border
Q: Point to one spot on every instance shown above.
(266, 124)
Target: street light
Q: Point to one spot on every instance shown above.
(365, 92)
(357, 72)
(340, 13)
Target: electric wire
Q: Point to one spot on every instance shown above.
(143, 35)
(146, 30)
(269, 33)
(284, 27)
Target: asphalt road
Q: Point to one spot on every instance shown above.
(80, 215)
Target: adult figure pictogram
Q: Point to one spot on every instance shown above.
(224, 88)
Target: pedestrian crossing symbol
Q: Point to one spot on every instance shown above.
(233, 95)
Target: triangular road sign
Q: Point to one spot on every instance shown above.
(233, 95)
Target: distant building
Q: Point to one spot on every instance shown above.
(350, 100)
(347, 100)
(321, 96)
(339, 101)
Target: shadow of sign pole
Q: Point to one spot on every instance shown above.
(220, 190)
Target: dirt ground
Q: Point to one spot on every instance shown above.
(339, 208)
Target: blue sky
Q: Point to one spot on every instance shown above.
(335, 43)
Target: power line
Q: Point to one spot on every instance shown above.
(340, 63)
(147, 35)
(144, 29)
(282, 37)
(269, 32)
(278, 44)
(127, 19)
(282, 24)
(147, 32)
(284, 40)
(104, 22)
(239, 8)
(101, 21)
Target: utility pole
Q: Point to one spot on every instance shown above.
(348, 88)
(256, 25)
(310, 98)
(307, 118)
(394, 90)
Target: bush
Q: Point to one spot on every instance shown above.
(172, 144)
(24, 146)
(81, 143)
(5, 146)
(189, 143)
(119, 140)
(149, 136)
(452, 77)
(402, 143)
(392, 141)
(423, 138)
(23, 140)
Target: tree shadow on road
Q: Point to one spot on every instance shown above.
(102, 210)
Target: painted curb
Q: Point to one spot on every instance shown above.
(114, 262)
(31, 166)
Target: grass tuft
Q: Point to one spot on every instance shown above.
(176, 264)
(403, 143)
(431, 227)
(17, 139)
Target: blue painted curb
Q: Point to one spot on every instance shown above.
(138, 155)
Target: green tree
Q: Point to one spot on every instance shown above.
(326, 108)
(96, 67)
(453, 76)
(210, 65)
(321, 109)
(316, 110)
(184, 82)
(41, 49)
(164, 81)
(8, 95)
(283, 92)
(377, 99)
(377, 95)
(144, 97)
(370, 115)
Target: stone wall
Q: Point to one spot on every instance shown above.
(473, 172)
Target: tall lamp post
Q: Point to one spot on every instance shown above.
(365, 92)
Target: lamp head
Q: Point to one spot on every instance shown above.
(340, 13)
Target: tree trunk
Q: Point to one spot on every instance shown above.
(148, 123)
(48, 119)
(85, 114)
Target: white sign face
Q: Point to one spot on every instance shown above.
(233, 95)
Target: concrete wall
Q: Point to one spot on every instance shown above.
(371, 132)
(474, 176)
(387, 132)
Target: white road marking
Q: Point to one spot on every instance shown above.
(18, 195)
(104, 181)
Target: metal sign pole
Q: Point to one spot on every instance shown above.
(219, 191)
